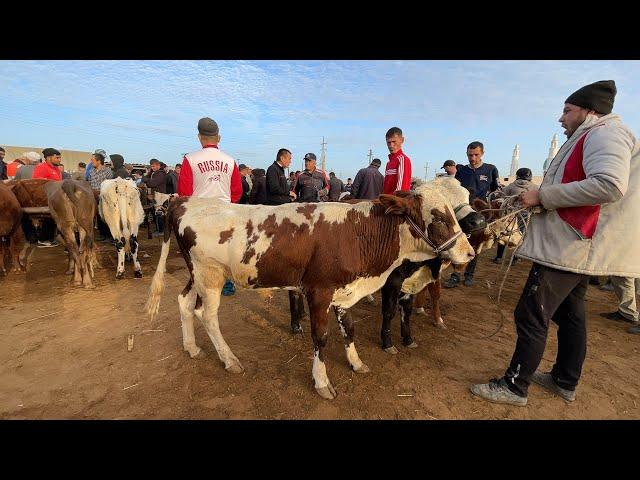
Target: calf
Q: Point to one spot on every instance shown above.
(121, 210)
(335, 253)
(10, 228)
(73, 208)
(497, 230)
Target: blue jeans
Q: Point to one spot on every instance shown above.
(228, 288)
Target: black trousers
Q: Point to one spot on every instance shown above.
(549, 294)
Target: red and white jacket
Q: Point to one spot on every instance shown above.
(397, 175)
(210, 173)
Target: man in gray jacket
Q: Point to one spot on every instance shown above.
(368, 182)
(590, 199)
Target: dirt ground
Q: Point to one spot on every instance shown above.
(63, 354)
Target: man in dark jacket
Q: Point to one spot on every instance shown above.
(481, 179)
(312, 185)
(157, 178)
(336, 187)
(277, 190)
(117, 165)
(369, 182)
(258, 195)
(246, 188)
(278, 193)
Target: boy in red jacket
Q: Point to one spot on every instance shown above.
(397, 175)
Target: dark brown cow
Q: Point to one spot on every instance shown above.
(336, 253)
(11, 233)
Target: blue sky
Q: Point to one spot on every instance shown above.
(146, 109)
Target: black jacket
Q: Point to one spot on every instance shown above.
(3, 170)
(277, 189)
(337, 187)
(258, 195)
(246, 190)
(367, 184)
(118, 167)
(172, 182)
(308, 186)
(157, 181)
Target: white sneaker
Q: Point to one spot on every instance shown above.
(47, 244)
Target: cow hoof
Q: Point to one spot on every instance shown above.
(119, 276)
(412, 345)
(361, 369)
(392, 350)
(296, 329)
(328, 392)
(195, 352)
(69, 272)
(440, 324)
(77, 284)
(420, 311)
(138, 274)
(234, 368)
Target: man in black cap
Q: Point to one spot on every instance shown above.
(312, 185)
(589, 198)
(450, 167)
(369, 182)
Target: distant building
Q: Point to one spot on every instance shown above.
(515, 160)
(552, 153)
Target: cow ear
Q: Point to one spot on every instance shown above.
(479, 204)
(393, 204)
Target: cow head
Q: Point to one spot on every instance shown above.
(502, 229)
(431, 216)
(470, 221)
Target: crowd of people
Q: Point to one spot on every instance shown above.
(590, 188)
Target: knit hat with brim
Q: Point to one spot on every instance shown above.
(598, 96)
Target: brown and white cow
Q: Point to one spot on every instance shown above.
(335, 253)
(73, 207)
(10, 228)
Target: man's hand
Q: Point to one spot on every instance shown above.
(530, 198)
(293, 195)
(323, 193)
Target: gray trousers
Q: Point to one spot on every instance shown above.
(625, 289)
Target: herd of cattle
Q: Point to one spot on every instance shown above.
(333, 253)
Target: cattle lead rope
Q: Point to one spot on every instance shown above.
(531, 210)
(422, 235)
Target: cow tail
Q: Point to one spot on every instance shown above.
(69, 188)
(157, 283)
(124, 224)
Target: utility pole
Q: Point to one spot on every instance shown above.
(323, 160)
(370, 155)
(426, 171)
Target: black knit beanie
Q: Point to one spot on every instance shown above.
(597, 96)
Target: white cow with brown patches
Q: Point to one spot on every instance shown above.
(334, 253)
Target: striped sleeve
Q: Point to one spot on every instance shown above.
(400, 175)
